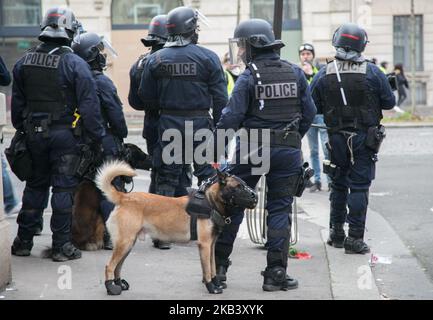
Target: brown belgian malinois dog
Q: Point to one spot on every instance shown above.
(166, 219)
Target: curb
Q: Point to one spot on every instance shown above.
(408, 125)
(353, 277)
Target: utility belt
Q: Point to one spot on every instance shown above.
(185, 113)
(348, 126)
(44, 126)
(373, 141)
(277, 138)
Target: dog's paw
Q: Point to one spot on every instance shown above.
(112, 288)
(122, 283)
(218, 283)
(212, 288)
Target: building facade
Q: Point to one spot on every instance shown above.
(124, 22)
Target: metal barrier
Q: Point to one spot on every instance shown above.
(256, 218)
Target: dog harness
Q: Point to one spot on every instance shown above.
(199, 207)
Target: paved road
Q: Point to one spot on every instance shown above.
(403, 190)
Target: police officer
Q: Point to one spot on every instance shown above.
(156, 38)
(257, 102)
(50, 83)
(183, 81)
(351, 93)
(91, 49)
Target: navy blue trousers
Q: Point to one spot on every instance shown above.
(284, 162)
(350, 189)
(50, 156)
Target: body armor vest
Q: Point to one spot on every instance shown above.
(276, 91)
(185, 71)
(140, 67)
(43, 91)
(361, 108)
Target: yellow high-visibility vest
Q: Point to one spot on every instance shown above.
(230, 82)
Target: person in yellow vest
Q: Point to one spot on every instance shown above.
(307, 55)
(231, 73)
(384, 67)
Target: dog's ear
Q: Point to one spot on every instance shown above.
(221, 178)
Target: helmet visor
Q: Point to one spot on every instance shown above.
(78, 29)
(106, 47)
(202, 18)
(238, 53)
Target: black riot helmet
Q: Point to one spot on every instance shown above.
(91, 48)
(350, 36)
(181, 21)
(250, 37)
(157, 34)
(59, 23)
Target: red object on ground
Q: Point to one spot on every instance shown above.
(303, 256)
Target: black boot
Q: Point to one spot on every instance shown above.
(336, 235)
(108, 245)
(355, 245)
(67, 252)
(163, 245)
(21, 248)
(221, 273)
(275, 279)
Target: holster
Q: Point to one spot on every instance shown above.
(19, 157)
(375, 137)
(305, 175)
(331, 169)
(88, 163)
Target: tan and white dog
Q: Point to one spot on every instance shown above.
(165, 218)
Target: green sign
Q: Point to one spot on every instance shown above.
(23, 45)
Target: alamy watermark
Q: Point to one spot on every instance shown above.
(252, 146)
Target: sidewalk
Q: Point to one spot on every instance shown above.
(176, 273)
(170, 274)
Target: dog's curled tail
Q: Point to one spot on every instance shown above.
(107, 172)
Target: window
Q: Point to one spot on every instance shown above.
(136, 14)
(11, 49)
(402, 31)
(264, 9)
(22, 13)
(20, 18)
(420, 94)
